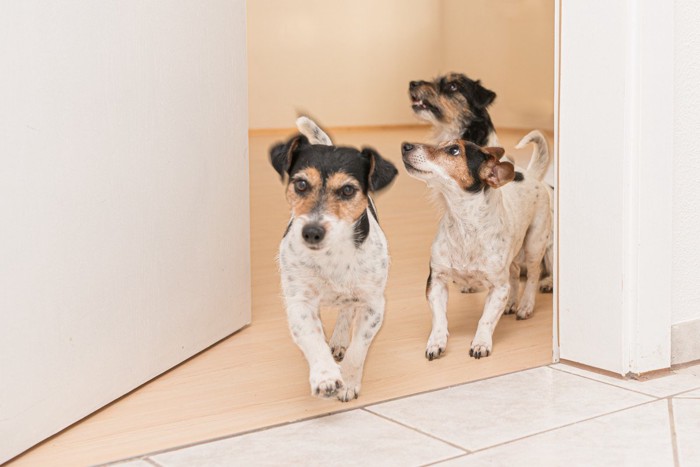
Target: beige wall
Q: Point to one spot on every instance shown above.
(509, 45)
(349, 63)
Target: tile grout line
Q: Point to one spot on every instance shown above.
(466, 451)
(674, 439)
(616, 386)
(151, 461)
(681, 396)
(444, 460)
(314, 417)
(474, 451)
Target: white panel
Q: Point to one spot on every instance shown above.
(651, 331)
(686, 164)
(124, 246)
(591, 155)
(615, 187)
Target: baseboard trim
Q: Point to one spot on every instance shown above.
(685, 342)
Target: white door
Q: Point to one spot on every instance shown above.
(615, 144)
(124, 241)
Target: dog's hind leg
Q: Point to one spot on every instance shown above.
(437, 294)
(512, 303)
(547, 282)
(482, 344)
(534, 247)
(307, 331)
(368, 319)
(340, 340)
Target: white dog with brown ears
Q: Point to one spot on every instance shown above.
(494, 217)
(333, 254)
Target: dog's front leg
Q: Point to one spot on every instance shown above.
(307, 332)
(437, 294)
(493, 309)
(340, 339)
(368, 319)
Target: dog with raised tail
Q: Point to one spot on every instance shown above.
(333, 253)
(457, 107)
(494, 217)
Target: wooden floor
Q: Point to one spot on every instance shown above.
(258, 377)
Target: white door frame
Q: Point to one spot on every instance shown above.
(614, 139)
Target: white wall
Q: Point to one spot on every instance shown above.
(686, 189)
(123, 198)
(349, 63)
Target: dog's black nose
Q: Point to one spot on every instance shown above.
(406, 147)
(313, 233)
(413, 84)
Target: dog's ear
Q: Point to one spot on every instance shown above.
(381, 171)
(282, 154)
(494, 172)
(495, 151)
(482, 97)
(312, 131)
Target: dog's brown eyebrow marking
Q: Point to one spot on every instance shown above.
(455, 166)
(348, 210)
(302, 205)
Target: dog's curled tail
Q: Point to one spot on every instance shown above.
(539, 161)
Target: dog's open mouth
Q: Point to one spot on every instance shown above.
(419, 104)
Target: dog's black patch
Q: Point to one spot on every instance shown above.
(429, 282)
(475, 158)
(361, 229)
(286, 231)
(372, 209)
(371, 170)
(478, 126)
(474, 120)
(519, 177)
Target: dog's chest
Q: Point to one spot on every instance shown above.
(336, 274)
(471, 252)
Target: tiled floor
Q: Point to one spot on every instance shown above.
(547, 416)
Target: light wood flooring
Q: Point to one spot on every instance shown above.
(258, 377)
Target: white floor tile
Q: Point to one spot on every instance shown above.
(687, 420)
(689, 395)
(492, 411)
(350, 438)
(132, 463)
(637, 437)
(657, 387)
(691, 370)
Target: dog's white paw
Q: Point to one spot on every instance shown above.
(348, 392)
(547, 285)
(480, 348)
(526, 310)
(326, 383)
(470, 289)
(511, 307)
(437, 345)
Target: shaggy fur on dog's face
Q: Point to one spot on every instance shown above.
(330, 185)
(457, 164)
(456, 105)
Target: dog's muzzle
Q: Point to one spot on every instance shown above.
(313, 234)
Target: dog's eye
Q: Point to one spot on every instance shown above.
(454, 150)
(347, 191)
(452, 87)
(300, 186)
